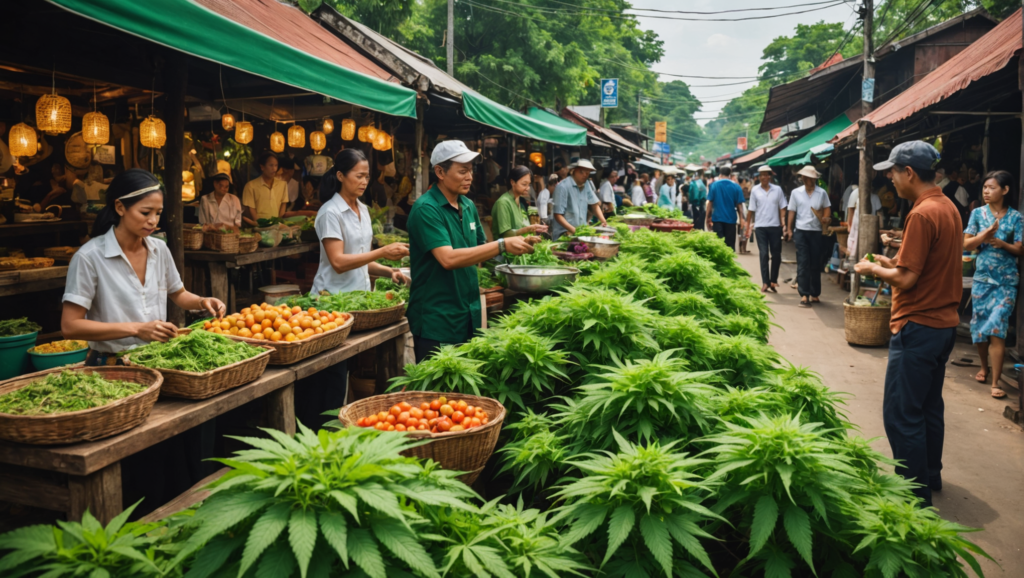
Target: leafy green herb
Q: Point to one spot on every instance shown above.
(65, 392)
(399, 291)
(485, 278)
(541, 256)
(197, 352)
(21, 326)
(535, 452)
(449, 369)
(518, 364)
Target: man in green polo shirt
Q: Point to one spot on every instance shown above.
(446, 242)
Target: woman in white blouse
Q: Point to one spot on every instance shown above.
(220, 209)
(119, 282)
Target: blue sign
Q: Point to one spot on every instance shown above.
(662, 148)
(867, 90)
(609, 92)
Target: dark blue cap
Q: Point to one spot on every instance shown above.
(916, 153)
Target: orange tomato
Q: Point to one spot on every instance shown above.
(412, 422)
(225, 325)
(444, 425)
(318, 330)
(458, 416)
(403, 416)
(405, 406)
(372, 419)
(284, 328)
(395, 410)
(430, 414)
(435, 405)
(416, 412)
(462, 406)
(391, 428)
(424, 406)
(390, 419)
(399, 427)
(457, 428)
(442, 400)
(381, 415)
(258, 316)
(470, 411)
(207, 325)
(246, 311)
(271, 314)
(447, 410)
(484, 421)
(290, 337)
(474, 422)
(275, 336)
(233, 330)
(361, 422)
(296, 309)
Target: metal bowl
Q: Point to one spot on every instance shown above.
(536, 278)
(601, 248)
(606, 230)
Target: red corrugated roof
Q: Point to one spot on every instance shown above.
(290, 25)
(834, 59)
(600, 132)
(987, 55)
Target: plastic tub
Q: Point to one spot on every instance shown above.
(14, 354)
(44, 361)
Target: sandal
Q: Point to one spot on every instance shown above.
(815, 300)
(774, 288)
(981, 376)
(804, 303)
(998, 393)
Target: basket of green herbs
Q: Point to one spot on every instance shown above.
(63, 406)
(222, 240)
(369, 309)
(200, 364)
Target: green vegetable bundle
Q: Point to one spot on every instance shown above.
(197, 352)
(65, 392)
(21, 326)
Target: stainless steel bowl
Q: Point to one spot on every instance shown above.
(536, 278)
(606, 230)
(601, 248)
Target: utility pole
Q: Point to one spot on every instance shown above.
(451, 38)
(639, 110)
(866, 232)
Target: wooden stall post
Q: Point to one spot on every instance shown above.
(175, 83)
(98, 492)
(419, 151)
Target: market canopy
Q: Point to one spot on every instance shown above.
(486, 111)
(801, 151)
(229, 33)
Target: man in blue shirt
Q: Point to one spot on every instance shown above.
(725, 202)
(573, 196)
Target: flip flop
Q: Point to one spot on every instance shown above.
(815, 300)
(803, 303)
(998, 393)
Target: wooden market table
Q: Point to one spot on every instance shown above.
(41, 228)
(32, 280)
(76, 477)
(218, 264)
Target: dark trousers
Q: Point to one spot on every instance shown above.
(912, 409)
(808, 262)
(769, 242)
(726, 231)
(698, 215)
(320, 392)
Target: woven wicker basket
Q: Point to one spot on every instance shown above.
(366, 320)
(669, 225)
(87, 424)
(289, 352)
(248, 244)
(644, 222)
(189, 385)
(466, 451)
(223, 242)
(867, 325)
(192, 239)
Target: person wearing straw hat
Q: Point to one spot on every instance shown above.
(927, 282)
(767, 217)
(809, 210)
(446, 242)
(572, 198)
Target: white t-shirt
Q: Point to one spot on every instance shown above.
(293, 190)
(766, 205)
(228, 211)
(606, 193)
(637, 196)
(544, 205)
(876, 203)
(101, 280)
(337, 220)
(802, 204)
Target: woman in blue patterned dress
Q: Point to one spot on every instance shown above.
(996, 230)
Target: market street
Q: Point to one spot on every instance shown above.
(983, 458)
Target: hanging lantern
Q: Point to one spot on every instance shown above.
(153, 132)
(188, 186)
(95, 128)
(23, 141)
(537, 159)
(348, 129)
(317, 141)
(296, 137)
(371, 134)
(382, 141)
(277, 142)
(53, 114)
(243, 132)
(227, 121)
(363, 130)
(328, 126)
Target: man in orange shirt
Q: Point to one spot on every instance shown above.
(927, 283)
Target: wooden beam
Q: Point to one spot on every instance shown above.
(187, 499)
(98, 492)
(176, 81)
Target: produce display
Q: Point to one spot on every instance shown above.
(399, 291)
(661, 212)
(389, 238)
(388, 294)
(437, 416)
(62, 346)
(20, 326)
(65, 392)
(277, 322)
(196, 352)
(485, 278)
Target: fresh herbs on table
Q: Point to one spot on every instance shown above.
(197, 352)
(65, 392)
(21, 326)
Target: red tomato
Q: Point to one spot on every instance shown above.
(430, 414)
(444, 425)
(432, 421)
(372, 420)
(435, 405)
(361, 422)
(458, 416)
(405, 406)
(470, 411)
(412, 422)
(399, 427)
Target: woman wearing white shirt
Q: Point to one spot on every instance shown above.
(544, 200)
(220, 209)
(811, 210)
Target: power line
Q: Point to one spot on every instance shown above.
(632, 17)
(593, 9)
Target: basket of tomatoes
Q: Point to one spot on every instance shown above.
(292, 332)
(462, 429)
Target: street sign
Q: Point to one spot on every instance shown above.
(609, 92)
(661, 131)
(867, 90)
(741, 143)
(662, 148)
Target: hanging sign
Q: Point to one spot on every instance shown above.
(662, 148)
(609, 92)
(104, 155)
(867, 90)
(741, 143)
(661, 131)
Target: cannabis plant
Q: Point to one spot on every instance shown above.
(331, 498)
(683, 270)
(688, 337)
(535, 452)
(519, 365)
(734, 404)
(647, 500)
(805, 392)
(649, 244)
(711, 247)
(688, 303)
(748, 362)
(86, 548)
(627, 274)
(449, 369)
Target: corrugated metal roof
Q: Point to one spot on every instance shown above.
(760, 153)
(605, 134)
(987, 55)
(290, 25)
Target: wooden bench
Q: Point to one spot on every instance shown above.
(77, 477)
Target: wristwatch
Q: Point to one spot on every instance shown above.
(501, 246)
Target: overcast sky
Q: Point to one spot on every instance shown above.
(725, 48)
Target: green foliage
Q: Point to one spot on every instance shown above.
(628, 274)
(803, 390)
(197, 352)
(535, 452)
(711, 247)
(449, 369)
(518, 365)
(649, 498)
(20, 326)
(122, 549)
(65, 392)
(399, 291)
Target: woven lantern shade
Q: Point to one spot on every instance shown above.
(328, 126)
(53, 114)
(537, 159)
(348, 129)
(95, 128)
(381, 141)
(23, 141)
(371, 134)
(317, 141)
(188, 186)
(227, 121)
(296, 137)
(153, 132)
(243, 132)
(363, 131)
(277, 142)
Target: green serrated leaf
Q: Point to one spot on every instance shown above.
(655, 533)
(766, 514)
(363, 550)
(278, 562)
(619, 526)
(798, 528)
(213, 555)
(403, 544)
(302, 533)
(335, 530)
(263, 533)
(777, 565)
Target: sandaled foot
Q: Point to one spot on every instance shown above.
(815, 300)
(764, 288)
(774, 288)
(804, 303)
(998, 393)
(981, 376)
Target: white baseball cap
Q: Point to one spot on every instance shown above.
(452, 150)
(765, 169)
(582, 164)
